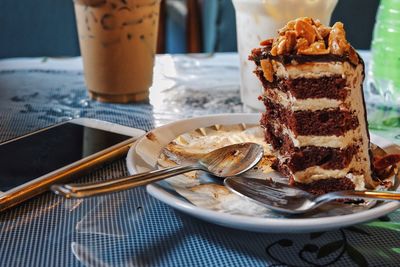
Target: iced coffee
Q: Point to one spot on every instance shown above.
(118, 41)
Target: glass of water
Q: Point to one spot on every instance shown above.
(257, 20)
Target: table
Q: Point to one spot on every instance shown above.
(131, 228)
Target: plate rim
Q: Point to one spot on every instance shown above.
(249, 223)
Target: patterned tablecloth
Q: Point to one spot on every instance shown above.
(132, 228)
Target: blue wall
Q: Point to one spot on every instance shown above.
(37, 28)
(219, 26)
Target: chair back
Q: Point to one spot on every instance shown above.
(192, 24)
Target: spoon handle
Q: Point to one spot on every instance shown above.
(353, 194)
(120, 184)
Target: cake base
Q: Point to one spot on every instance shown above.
(324, 186)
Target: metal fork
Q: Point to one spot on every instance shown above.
(286, 199)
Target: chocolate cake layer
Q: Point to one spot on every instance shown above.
(259, 54)
(301, 158)
(325, 157)
(332, 87)
(324, 186)
(320, 122)
(271, 136)
(317, 187)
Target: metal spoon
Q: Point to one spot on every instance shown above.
(226, 161)
(286, 199)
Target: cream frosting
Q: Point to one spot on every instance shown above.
(354, 80)
(358, 181)
(342, 141)
(315, 173)
(292, 103)
(309, 69)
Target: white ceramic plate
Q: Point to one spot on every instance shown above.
(144, 155)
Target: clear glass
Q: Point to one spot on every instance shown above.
(257, 20)
(384, 71)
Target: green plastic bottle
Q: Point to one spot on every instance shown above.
(384, 70)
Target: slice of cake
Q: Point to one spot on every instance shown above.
(315, 118)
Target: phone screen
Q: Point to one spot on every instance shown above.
(33, 156)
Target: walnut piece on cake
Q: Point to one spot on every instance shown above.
(305, 36)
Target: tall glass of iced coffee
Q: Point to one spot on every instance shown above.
(117, 39)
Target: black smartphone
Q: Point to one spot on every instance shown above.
(30, 164)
